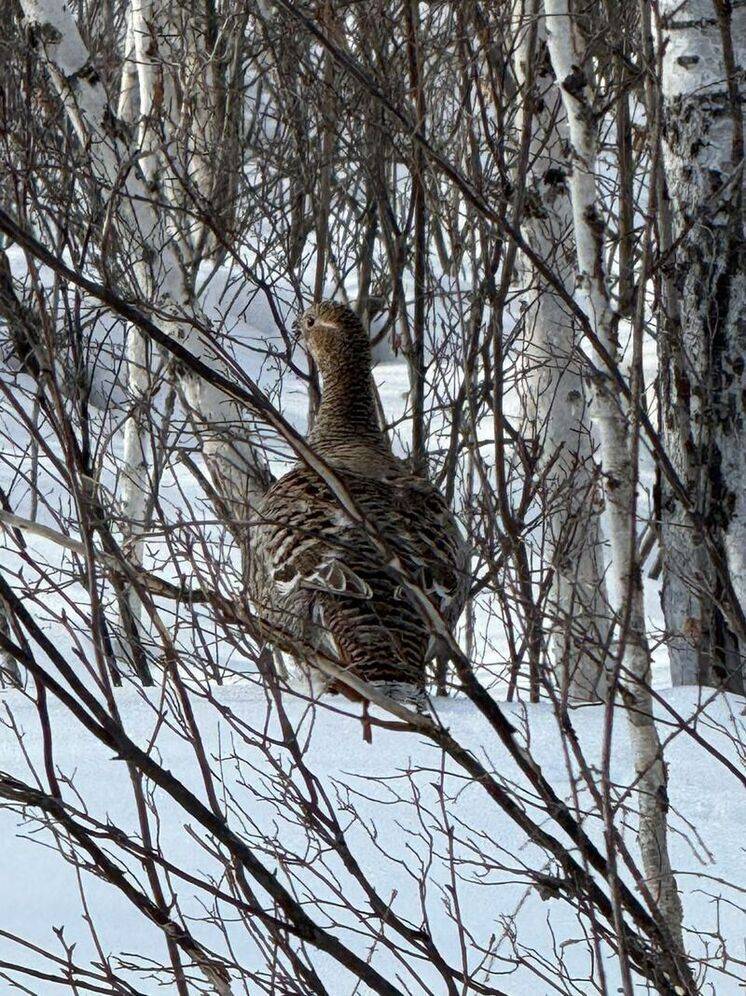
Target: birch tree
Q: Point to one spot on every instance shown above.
(556, 396)
(166, 249)
(162, 57)
(571, 67)
(701, 49)
(239, 471)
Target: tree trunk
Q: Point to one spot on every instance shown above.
(162, 256)
(128, 92)
(148, 97)
(619, 473)
(702, 348)
(555, 401)
(239, 471)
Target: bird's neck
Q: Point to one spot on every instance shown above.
(347, 412)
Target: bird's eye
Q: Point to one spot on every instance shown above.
(310, 322)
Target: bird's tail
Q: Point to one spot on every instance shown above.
(406, 693)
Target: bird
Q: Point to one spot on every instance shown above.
(316, 579)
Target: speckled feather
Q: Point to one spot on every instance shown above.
(315, 575)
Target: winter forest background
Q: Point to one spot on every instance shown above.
(538, 211)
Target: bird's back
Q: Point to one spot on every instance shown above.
(317, 577)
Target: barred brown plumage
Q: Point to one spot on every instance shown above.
(315, 575)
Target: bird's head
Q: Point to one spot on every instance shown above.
(335, 337)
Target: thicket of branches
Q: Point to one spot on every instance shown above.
(514, 201)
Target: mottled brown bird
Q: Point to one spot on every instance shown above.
(314, 573)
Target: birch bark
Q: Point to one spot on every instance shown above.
(178, 119)
(612, 421)
(136, 101)
(239, 471)
(701, 45)
(578, 603)
(128, 94)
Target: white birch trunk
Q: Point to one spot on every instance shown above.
(155, 57)
(239, 472)
(578, 603)
(135, 104)
(178, 113)
(128, 92)
(200, 116)
(157, 110)
(237, 468)
(135, 481)
(148, 97)
(618, 473)
(704, 349)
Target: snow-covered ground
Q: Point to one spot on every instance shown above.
(392, 837)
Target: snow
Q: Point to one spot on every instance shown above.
(391, 837)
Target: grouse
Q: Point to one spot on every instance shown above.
(315, 577)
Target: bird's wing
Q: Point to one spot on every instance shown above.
(424, 532)
(318, 568)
